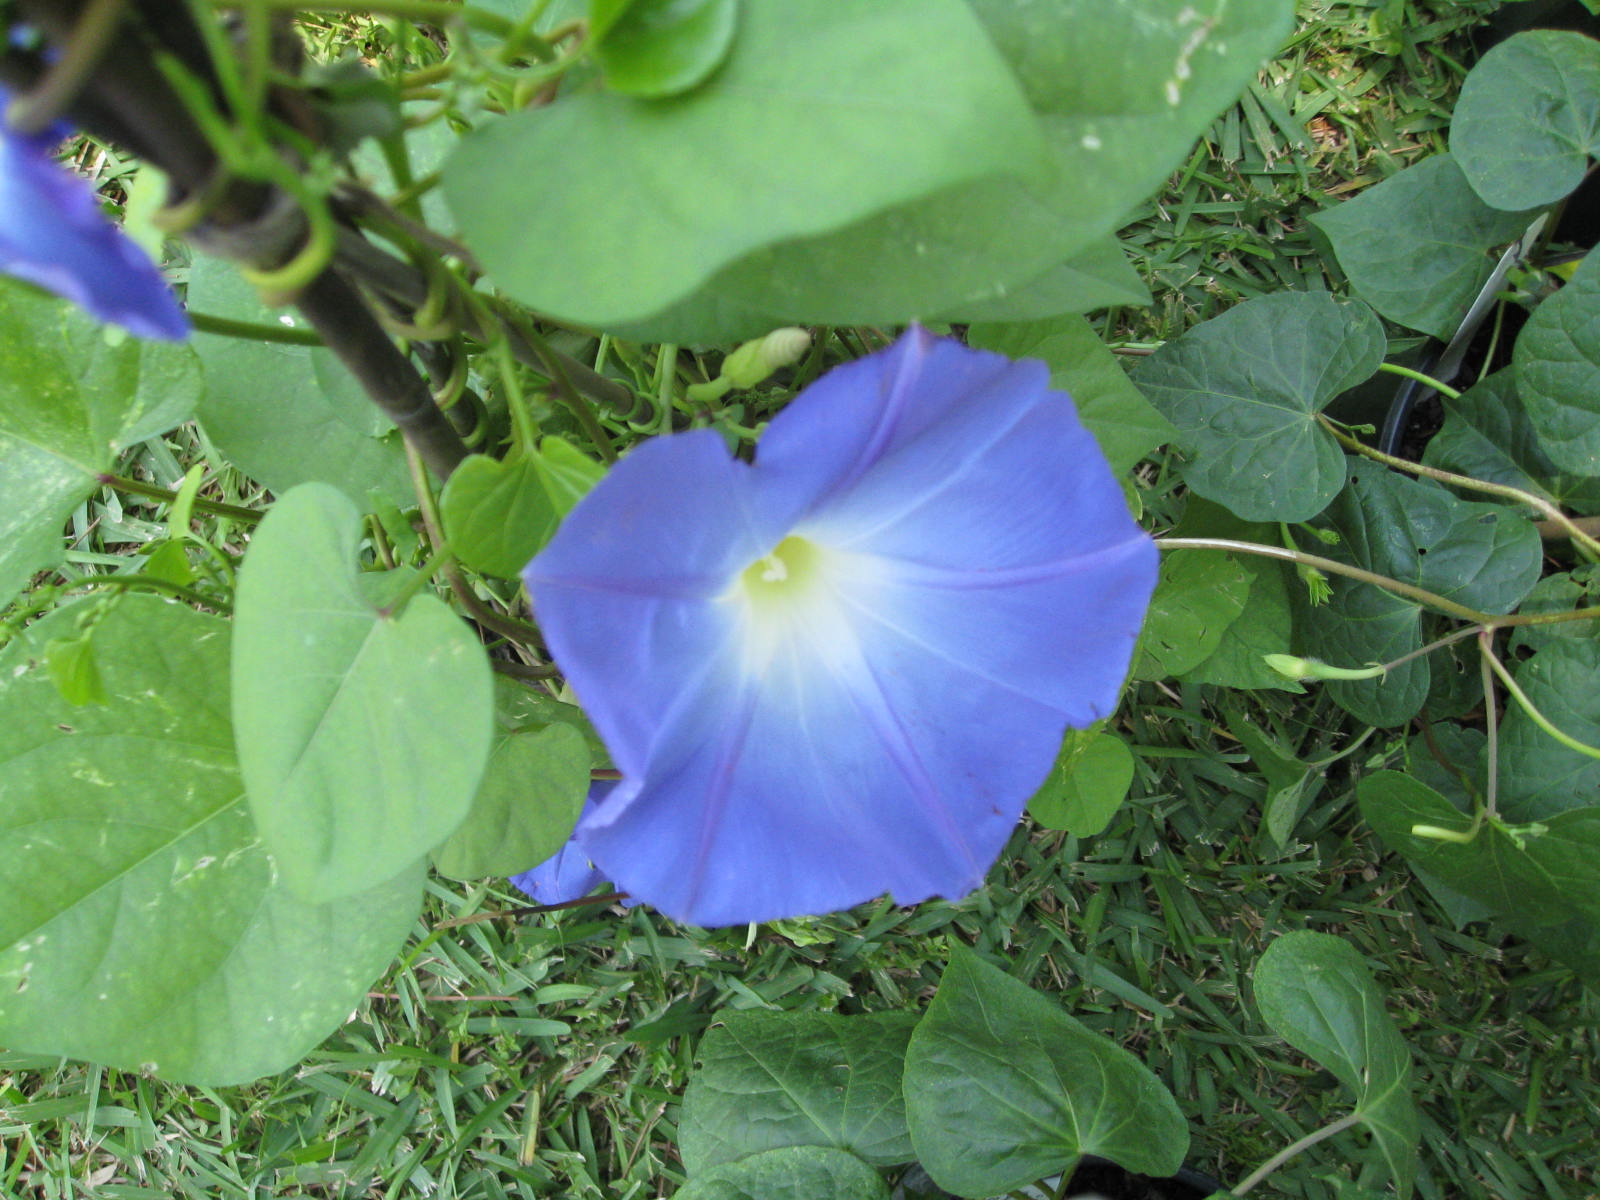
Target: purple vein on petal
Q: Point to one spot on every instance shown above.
(918, 574)
(687, 588)
(918, 344)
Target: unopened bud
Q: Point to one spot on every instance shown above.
(754, 361)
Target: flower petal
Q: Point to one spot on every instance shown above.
(945, 577)
(53, 234)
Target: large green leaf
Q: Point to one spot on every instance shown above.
(1244, 390)
(1003, 1088)
(72, 398)
(1415, 247)
(1489, 434)
(822, 115)
(1544, 874)
(1539, 776)
(790, 1173)
(286, 414)
(983, 250)
(362, 733)
(1199, 594)
(1557, 360)
(144, 926)
(1319, 996)
(1484, 556)
(1097, 276)
(1528, 118)
(1112, 409)
(530, 798)
(770, 1079)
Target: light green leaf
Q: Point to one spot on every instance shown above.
(1003, 1088)
(143, 926)
(1528, 118)
(1488, 434)
(1557, 361)
(530, 798)
(72, 397)
(1087, 785)
(362, 734)
(664, 47)
(1318, 994)
(792, 1173)
(1112, 409)
(496, 514)
(283, 414)
(1544, 875)
(821, 116)
(771, 1079)
(1198, 595)
(1244, 390)
(1097, 276)
(1416, 246)
(1485, 556)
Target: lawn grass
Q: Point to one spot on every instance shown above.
(546, 1056)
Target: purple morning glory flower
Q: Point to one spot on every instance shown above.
(53, 234)
(844, 670)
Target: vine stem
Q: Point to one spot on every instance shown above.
(1438, 385)
(149, 490)
(253, 331)
(430, 11)
(1420, 595)
(1289, 1151)
(1548, 510)
(1528, 706)
(1491, 725)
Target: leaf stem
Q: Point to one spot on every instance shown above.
(1289, 1151)
(153, 582)
(253, 331)
(1438, 385)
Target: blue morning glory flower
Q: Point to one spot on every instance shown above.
(53, 234)
(843, 670)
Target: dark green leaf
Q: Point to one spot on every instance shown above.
(1087, 785)
(1318, 994)
(1543, 874)
(1112, 409)
(70, 402)
(362, 733)
(532, 792)
(1528, 118)
(282, 414)
(792, 1173)
(143, 926)
(1557, 361)
(1484, 556)
(1489, 435)
(1416, 246)
(1539, 776)
(1003, 1088)
(1562, 592)
(1244, 390)
(667, 192)
(771, 1079)
(664, 47)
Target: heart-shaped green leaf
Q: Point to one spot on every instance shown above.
(1319, 996)
(1244, 390)
(1528, 118)
(1003, 1088)
(1198, 596)
(70, 402)
(1485, 556)
(770, 1079)
(144, 925)
(1416, 246)
(362, 733)
(1557, 361)
(498, 515)
(821, 116)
